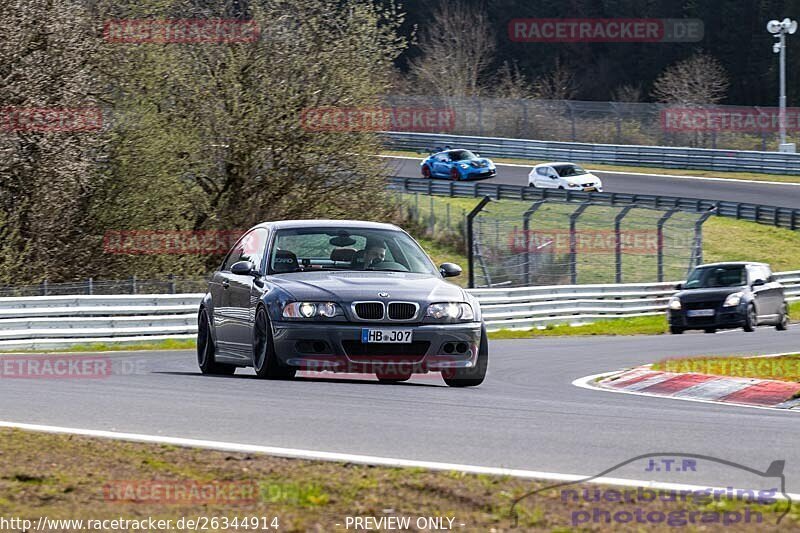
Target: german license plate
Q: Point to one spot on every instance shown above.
(590, 189)
(699, 312)
(386, 336)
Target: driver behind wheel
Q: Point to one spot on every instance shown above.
(375, 253)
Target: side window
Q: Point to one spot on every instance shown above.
(253, 245)
(234, 255)
(542, 171)
(758, 272)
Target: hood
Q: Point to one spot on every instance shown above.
(355, 286)
(701, 295)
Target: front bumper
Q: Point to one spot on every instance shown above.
(723, 318)
(337, 347)
(473, 173)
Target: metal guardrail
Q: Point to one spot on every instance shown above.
(615, 154)
(782, 217)
(48, 322)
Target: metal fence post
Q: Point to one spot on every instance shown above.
(89, 286)
(526, 233)
(171, 279)
(618, 241)
(471, 238)
(660, 229)
(432, 220)
(573, 242)
(133, 284)
(44, 288)
(697, 249)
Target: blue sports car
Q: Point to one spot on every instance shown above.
(457, 165)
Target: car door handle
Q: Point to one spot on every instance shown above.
(226, 284)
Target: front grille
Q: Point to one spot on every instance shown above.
(701, 305)
(402, 311)
(412, 352)
(369, 310)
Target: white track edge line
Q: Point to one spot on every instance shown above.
(672, 176)
(293, 453)
(585, 383)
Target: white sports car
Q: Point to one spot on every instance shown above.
(568, 176)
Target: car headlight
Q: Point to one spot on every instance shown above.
(311, 310)
(675, 303)
(733, 299)
(464, 165)
(450, 311)
(574, 185)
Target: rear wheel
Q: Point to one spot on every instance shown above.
(455, 175)
(783, 322)
(265, 361)
(471, 377)
(675, 330)
(751, 319)
(710, 330)
(205, 349)
(426, 171)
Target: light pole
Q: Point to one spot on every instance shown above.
(779, 28)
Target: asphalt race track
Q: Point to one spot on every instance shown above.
(526, 415)
(728, 190)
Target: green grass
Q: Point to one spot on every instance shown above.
(744, 176)
(644, 325)
(442, 253)
(168, 344)
(726, 239)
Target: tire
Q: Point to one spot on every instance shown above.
(471, 377)
(532, 185)
(265, 362)
(783, 323)
(751, 319)
(675, 330)
(393, 378)
(426, 171)
(710, 330)
(560, 188)
(206, 351)
(455, 175)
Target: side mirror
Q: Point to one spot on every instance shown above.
(477, 154)
(553, 177)
(759, 282)
(243, 268)
(679, 286)
(449, 270)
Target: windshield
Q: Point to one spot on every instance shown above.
(722, 276)
(462, 155)
(314, 249)
(566, 171)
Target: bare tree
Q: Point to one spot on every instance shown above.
(627, 93)
(699, 79)
(558, 84)
(456, 48)
(512, 83)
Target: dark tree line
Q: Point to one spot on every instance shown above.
(735, 34)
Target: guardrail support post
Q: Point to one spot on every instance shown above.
(697, 249)
(618, 241)
(133, 284)
(526, 233)
(573, 243)
(89, 286)
(171, 279)
(660, 229)
(471, 238)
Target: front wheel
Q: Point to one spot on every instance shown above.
(265, 361)
(751, 319)
(783, 323)
(206, 351)
(471, 377)
(675, 330)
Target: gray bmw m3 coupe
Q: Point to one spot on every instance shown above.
(339, 296)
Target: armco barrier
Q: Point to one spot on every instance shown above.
(613, 154)
(782, 217)
(47, 322)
